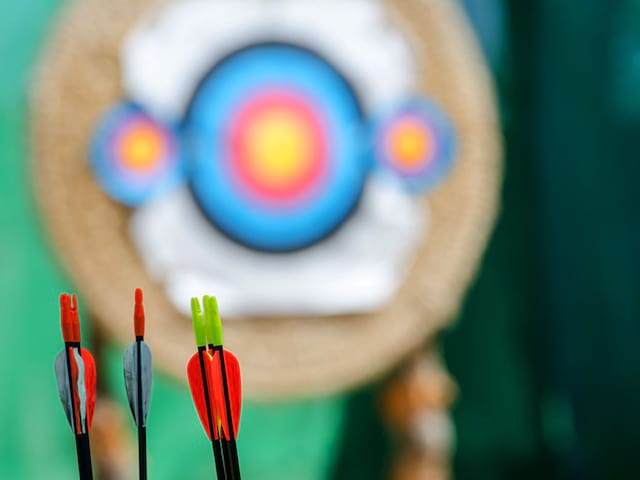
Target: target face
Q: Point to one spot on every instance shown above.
(416, 142)
(133, 157)
(276, 147)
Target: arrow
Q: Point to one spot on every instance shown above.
(214, 378)
(199, 375)
(227, 385)
(137, 381)
(76, 376)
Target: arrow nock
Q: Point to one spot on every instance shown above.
(198, 323)
(65, 318)
(138, 314)
(213, 323)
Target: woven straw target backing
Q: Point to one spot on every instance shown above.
(79, 79)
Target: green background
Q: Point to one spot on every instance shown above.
(546, 352)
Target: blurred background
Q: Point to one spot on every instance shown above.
(545, 352)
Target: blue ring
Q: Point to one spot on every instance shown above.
(441, 164)
(128, 187)
(244, 73)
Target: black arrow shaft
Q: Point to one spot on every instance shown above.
(142, 430)
(217, 451)
(232, 448)
(83, 449)
(84, 456)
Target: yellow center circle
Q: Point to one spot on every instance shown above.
(280, 145)
(410, 145)
(141, 148)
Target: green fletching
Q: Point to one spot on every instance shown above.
(216, 322)
(198, 323)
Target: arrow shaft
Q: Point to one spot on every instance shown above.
(217, 453)
(232, 448)
(142, 430)
(142, 452)
(84, 456)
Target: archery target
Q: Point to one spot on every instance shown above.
(134, 158)
(416, 142)
(441, 62)
(276, 147)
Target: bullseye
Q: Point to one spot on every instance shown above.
(142, 146)
(409, 143)
(277, 148)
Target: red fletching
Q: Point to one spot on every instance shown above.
(234, 385)
(90, 385)
(215, 391)
(83, 391)
(138, 314)
(194, 374)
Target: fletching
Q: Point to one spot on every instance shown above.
(216, 392)
(63, 387)
(78, 399)
(130, 362)
(194, 375)
(234, 385)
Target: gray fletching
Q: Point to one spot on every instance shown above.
(130, 362)
(62, 377)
